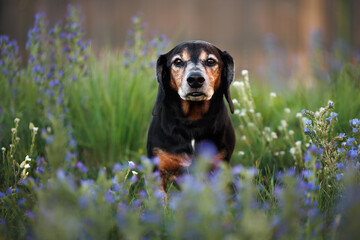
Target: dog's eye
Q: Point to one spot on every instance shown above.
(210, 62)
(178, 62)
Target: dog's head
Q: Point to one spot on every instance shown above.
(195, 70)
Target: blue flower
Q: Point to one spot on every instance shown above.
(2, 195)
(237, 169)
(352, 153)
(338, 176)
(329, 119)
(303, 111)
(340, 150)
(310, 186)
(117, 167)
(9, 191)
(81, 167)
(350, 141)
(354, 121)
(333, 114)
(306, 173)
(83, 202)
(307, 122)
(355, 130)
(116, 188)
(30, 214)
(331, 104)
(341, 135)
(306, 130)
(109, 197)
(340, 165)
(318, 165)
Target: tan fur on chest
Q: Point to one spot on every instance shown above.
(194, 110)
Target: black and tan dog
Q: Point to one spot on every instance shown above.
(193, 78)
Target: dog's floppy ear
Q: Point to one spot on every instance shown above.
(161, 75)
(228, 76)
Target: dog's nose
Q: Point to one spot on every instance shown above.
(195, 80)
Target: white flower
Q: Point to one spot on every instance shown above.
(237, 111)
(251, 110)
(16, 120)
(241, 153)
(274, 135)
(251, 124)
(235, 102)
(243, 138)
(282, 153)
(283, 123)
(298, 144)
(27, 166)
(35, 129)
(258, 115)
(27, 158)
(317, 114)
(276, 153)
(134, 172)
(243, 112)
(244, 72)
(287, 110)
(298, 115)
(238, 84)
(292, 150)
(291, 132)
(3, 149)
(13, 130)
(131, 164)
(272, 95)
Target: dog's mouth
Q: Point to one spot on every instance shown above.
(196, 94)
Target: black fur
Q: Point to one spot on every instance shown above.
(170, 130)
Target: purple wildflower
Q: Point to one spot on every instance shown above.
(30, 214)
(307, 122)
(338, 176)
(116, 188)
(340, 150)
(354, 121)
(341, 135)
(81, 167)
(117, 167)
(340, 165)
(329, 119)
(350, 141)
(83, 202)
(352, 153)
(306, 130)
(109, 197)
(333, 114)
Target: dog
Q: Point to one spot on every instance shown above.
(193, 77)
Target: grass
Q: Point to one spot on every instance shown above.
(83, 121)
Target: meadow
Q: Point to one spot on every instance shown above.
(73, 160)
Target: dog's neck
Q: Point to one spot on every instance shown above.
(194, 110)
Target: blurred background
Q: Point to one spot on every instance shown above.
(279, 40)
